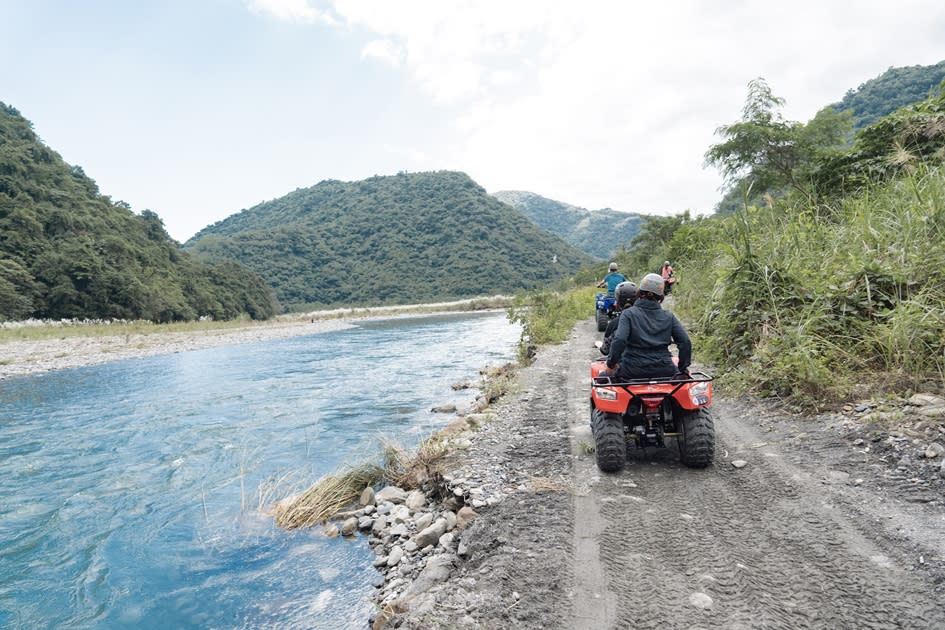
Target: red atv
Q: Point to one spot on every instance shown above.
(647, 411)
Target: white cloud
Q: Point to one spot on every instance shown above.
(383, 50)
(290, 10)
(610, 103)
(414, 156)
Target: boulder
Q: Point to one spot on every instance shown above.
(350, 526)
(380, 524)
(438, 570)
(390, 493)
(415, 500)
(400, 514)
(464, 517)
(934, 450)
(423, 521)
(367, 497)
(431, 535)
(926, 400)
(396, 555)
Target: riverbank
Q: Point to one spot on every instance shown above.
(36, 356)
(70, 347)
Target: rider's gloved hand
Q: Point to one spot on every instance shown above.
(682, 375)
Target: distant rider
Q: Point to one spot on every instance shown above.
(668, 278)
(612, 279)
(626, 294)
(640, 346)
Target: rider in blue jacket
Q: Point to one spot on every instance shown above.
(612, 279)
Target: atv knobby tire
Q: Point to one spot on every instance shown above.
(609, 442)
(602, 320)
(696, 439)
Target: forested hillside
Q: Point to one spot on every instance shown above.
(67, 251)
(891, 90)
(407, 238)
(599, 233)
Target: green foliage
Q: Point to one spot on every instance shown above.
(802, 301)
(904, 142)
(547, 316)
(599, 233)
(654, 244)
(895, 88)
(409, 238)
(68, 252)
(766, 153)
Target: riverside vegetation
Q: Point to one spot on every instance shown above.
(829, 280)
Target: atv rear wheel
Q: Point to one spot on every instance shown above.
(602, 320)
(696, 438)
(609, 442)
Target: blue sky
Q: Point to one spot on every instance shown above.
(196, 109)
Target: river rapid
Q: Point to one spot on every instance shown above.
(134, 493)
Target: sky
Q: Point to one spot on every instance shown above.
(197, 109)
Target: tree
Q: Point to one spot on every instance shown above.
(651, 246)
(769, 154)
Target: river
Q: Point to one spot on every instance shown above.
(134, 492)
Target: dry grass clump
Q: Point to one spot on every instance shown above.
(325, 497)
(496, 383)
(561, 484)
(332, 493)
(412, 470)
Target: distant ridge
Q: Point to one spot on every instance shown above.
(598, 233)
(891, 90)
(400, 239)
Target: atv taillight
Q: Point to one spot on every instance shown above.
(605, 393)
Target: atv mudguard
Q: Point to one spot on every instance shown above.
(614, 397)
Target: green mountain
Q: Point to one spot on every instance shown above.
(599, 233)
(891, 90)
(67, 251)
(406, 238)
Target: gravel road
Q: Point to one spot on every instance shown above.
(813, 532)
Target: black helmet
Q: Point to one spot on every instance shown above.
(626, 293)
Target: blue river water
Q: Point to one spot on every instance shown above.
(133, 493)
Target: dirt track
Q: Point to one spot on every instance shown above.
(777, 544)
(804, 536)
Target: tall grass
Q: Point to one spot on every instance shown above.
(805, 301)
(547, 317)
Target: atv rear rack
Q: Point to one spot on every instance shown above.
(694, 377)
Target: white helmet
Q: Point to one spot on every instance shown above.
(613, 266)
(652, 282)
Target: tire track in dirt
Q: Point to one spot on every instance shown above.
(767, 543)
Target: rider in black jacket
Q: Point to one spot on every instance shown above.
(626, 295)
(640, 346)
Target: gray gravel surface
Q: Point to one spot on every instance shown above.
(810, 531)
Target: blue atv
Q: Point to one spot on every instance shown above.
(606, 309)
